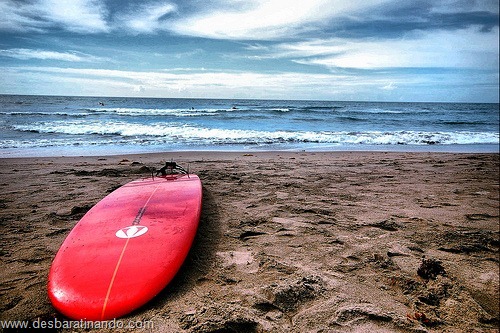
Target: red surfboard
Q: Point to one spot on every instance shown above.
(127, 248)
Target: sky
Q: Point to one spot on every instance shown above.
(340, 50)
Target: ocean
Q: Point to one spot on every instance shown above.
(68, 126)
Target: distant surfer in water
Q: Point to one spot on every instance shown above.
(101, 103)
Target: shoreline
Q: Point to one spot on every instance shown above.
(288, 241)
(105, 151)
(158, 158)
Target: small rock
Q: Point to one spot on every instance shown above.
(430, 269)
(398, 250)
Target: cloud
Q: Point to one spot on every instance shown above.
(247, 19)
(447, 6)
(194, 52)
(467, 48)
(15, 17)
(274, 20)
(397, 18)
(139, 89)
(80, 16)
(26, 54)
(146, 18)
(389, 86)
(190, 81)
(265, 20)
(361, 85)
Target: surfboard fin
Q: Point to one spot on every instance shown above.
(170, 167)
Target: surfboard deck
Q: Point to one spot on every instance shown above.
(126, 248)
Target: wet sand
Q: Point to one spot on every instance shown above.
(288, 241)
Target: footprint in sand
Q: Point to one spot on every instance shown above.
(244, 261)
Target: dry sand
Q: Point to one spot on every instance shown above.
(288, 242)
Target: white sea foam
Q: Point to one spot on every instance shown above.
(44, 121)
(177, 132)
(158, 112)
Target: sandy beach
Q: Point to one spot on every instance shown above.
(288, 241)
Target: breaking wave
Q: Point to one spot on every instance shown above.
(189, 134)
